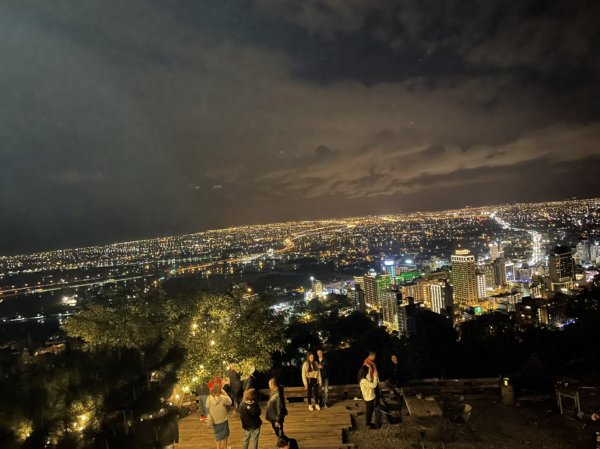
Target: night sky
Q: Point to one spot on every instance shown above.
(137, 118)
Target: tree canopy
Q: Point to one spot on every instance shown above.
(213, 329)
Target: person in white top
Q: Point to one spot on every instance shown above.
(217, 404)
(311, 378)
(367, 388)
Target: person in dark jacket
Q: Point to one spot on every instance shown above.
(276, 409)
(235, 385)
(167, 431)
(202, 391)
(394, 378)
(323, 365)
(250, 415)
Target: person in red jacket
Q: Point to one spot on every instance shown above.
(370, 363)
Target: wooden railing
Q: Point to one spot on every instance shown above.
(343, 392)
(335, 392)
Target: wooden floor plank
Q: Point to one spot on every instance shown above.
(314, 430)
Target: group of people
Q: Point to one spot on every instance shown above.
(223, 395)
(315, 377)
(218, 396)
(368, 380)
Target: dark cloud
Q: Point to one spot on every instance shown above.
(325, 151)
(127, 120)
(498, 34)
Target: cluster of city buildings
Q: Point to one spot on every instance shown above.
(535, 291)
(521, 271)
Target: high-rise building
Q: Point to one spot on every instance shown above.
(406, 318)
(560, 265)
(583, 251)
(481, 286)
(509, 269)
(374, 285)
(390, 301)
(489, 271)
(495, 250)
(441, 296)
(317, 287)
(418, 291)
(358, 298)
(464, 278)
(500, 266)
(359, 280)
(595, 252)
(389, 267)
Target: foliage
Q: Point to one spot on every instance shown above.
(214, 330)
(230, 329)
(132, 322)
(78, 397)
(134, 351)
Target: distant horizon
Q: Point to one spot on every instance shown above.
(348, 217)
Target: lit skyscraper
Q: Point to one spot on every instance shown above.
(489, 271)
(441, 296)
(495, 250)
(374, 285)
(390, 301)
(500, 266)
(389, 266)
(317, 287)
(583, 251)
(481, 286)
(595, 252)
(561, 267)
(509, 269)
(464, 278)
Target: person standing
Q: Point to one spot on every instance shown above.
(276, 409)
(202, 391)
(235, 385)
(311, 378)
(373, 373)
(250, 415)
(323, 365)
(367, 388)
(217, 404)
(394, 371)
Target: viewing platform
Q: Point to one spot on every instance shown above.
(319, 429)
(329, 428)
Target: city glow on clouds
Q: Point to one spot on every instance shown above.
(150, 118)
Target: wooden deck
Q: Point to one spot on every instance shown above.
(314, 430)
(419, 406)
